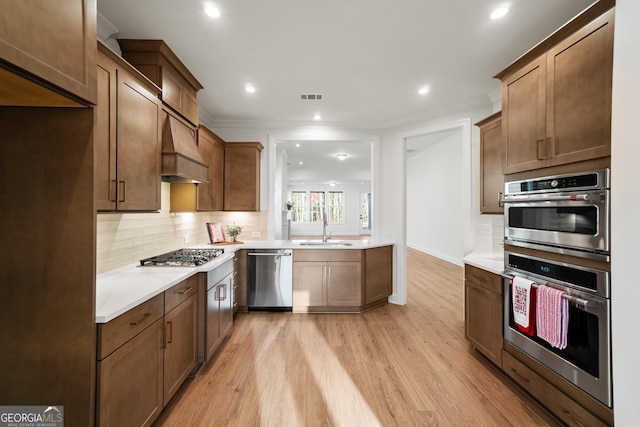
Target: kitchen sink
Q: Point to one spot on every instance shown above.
(327, 243)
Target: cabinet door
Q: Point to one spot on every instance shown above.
(130, 381)
(180, 345)
(210, 194)
(483, 321)
(242, 177)
(309, 284)
(344, 284)
(523, 118)
(55, 41)
(139, 140)
(226, 305)
(491, 178)
(212, 321)
(105, 135)
(579, 76)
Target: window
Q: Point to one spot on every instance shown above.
(311, 206)
(336, 206)
(299, 211)
(317, 206)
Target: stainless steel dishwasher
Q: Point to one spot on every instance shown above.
(269, 279)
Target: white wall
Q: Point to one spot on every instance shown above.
(625, 208)
(434, 199)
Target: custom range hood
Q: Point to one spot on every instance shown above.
(181, 158)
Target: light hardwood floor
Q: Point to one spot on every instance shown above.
(392, 366)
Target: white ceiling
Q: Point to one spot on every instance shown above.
(367, 57)
(321, 164)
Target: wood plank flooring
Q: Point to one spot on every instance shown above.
(392, 366)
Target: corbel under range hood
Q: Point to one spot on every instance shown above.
(181, 158)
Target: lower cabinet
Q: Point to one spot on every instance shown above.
(219, 309)
(180, 341)
(332, 279)
(144, 356)
(483, 312)
(240, 281)
(130, 366)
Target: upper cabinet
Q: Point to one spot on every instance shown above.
(127, 135)
(53, 45)
(242, 176)
(155, 60)
(556, 99)
(211, 194)
(491, 178)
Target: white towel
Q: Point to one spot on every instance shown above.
(521, 297)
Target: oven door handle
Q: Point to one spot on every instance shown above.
(569, 198)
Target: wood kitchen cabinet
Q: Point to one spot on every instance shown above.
(211, 194)
(378, 274)
(327, 278)
(556, 99)
(157, 61)
(127, 134)
(219, 309)
(483, 312)
(491, 178)
(240, 281)
(242, 176)
(52, 45)
(181, 341)
(130, 366)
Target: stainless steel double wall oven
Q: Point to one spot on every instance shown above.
(563, 225)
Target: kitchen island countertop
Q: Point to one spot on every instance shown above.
(490, 261)
(122, 289)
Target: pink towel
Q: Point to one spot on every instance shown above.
(552, 316)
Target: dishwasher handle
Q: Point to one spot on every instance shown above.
(268, 254)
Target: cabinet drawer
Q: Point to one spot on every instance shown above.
(560, 404)
(327, 255)
(180, 292)
(486, 279)
(115, 333)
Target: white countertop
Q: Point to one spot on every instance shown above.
(490, 261)
(120, 290)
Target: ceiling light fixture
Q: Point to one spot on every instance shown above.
(423, 90)
(332, 183)
(299, 163)
(211, 10)
(297, 145)
(342, 156)
(499, 12)
(317, 116)
(249, 88)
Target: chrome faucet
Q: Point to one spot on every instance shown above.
(324, 227)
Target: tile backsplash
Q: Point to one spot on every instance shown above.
(125, 238)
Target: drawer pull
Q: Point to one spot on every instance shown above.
(170, 325)
(142, 319)
(184, 291)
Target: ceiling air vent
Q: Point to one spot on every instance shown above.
(311, 96)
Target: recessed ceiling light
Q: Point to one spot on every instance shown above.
(299, 163)
(333, 184)
(211, 10)
(317, 116)
(342, 156)
(423, 90)
(249, 88)
(297, 145)
(499, 12)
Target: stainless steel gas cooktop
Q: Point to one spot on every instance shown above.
(182, 258)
